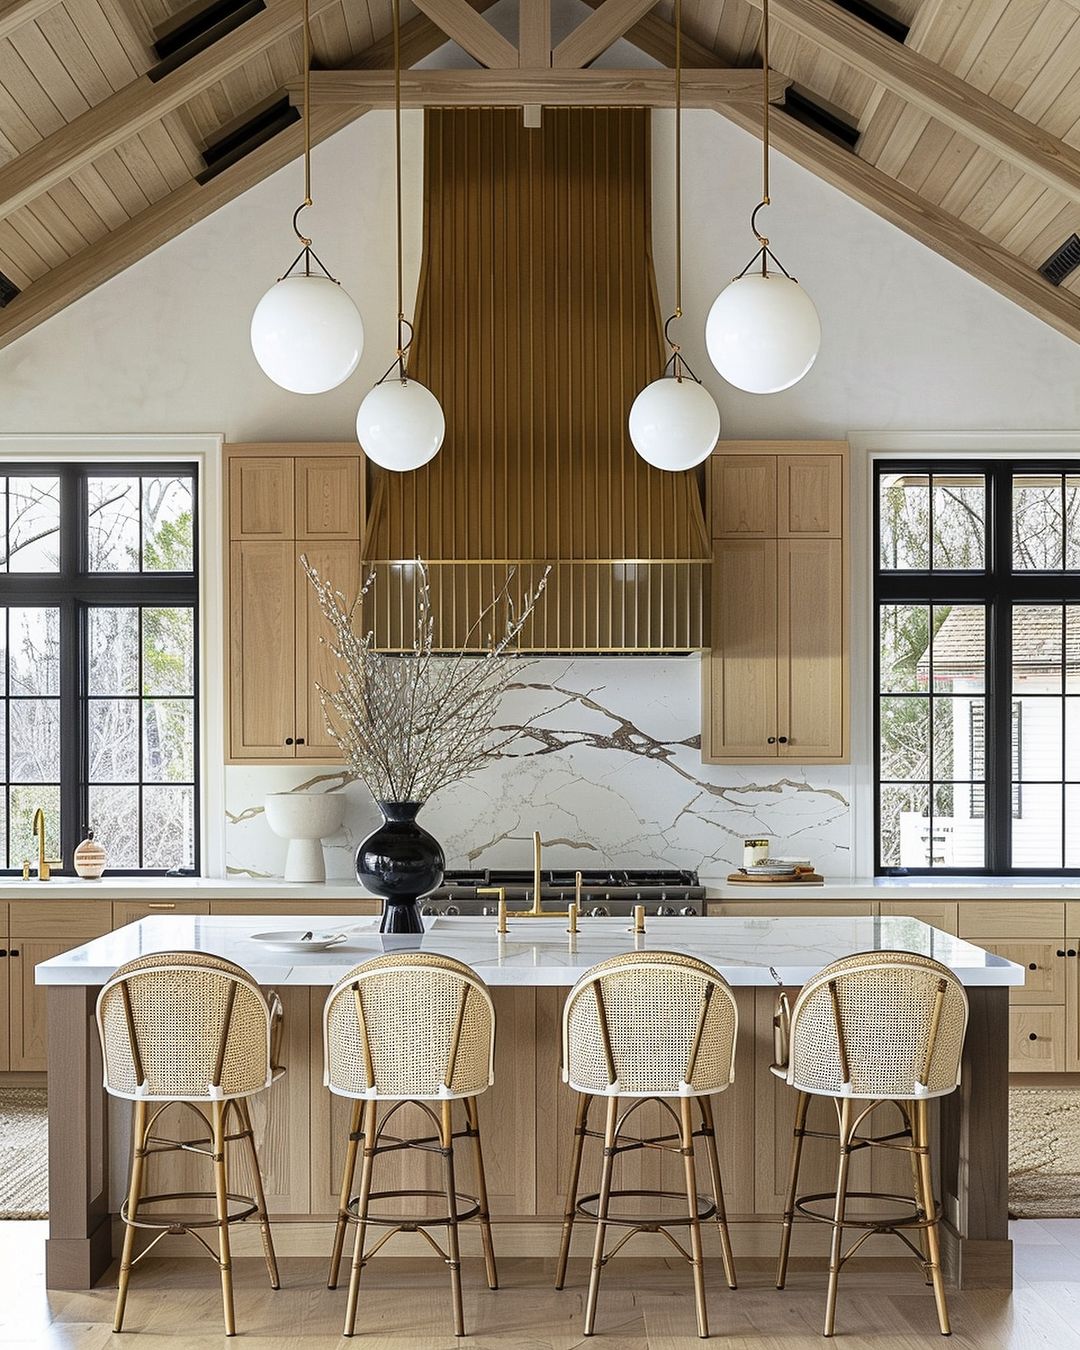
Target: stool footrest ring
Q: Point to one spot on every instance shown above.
(187, 1222)
(706, 1209)
(467, 1206)
(914, 1219)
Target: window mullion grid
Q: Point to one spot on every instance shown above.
(72, 714)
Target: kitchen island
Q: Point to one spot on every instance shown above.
(528, 1114)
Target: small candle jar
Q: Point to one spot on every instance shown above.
(754, 851)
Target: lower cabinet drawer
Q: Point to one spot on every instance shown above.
(783, 909)
(1046, 968)
(130, 911)
(1037, 1039)
(359, 907)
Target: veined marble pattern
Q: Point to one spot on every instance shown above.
(607, 767)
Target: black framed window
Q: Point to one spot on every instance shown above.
(977, 666)
(99, 706)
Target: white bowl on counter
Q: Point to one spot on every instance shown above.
(305, 819)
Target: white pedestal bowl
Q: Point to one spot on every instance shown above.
(305, 819)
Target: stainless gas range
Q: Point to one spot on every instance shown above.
(603, 891)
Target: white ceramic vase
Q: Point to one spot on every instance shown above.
(305, 819)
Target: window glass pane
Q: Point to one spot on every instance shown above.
(1072, 826)
(113, 657)
(168, 651)
(35, 740)
(904, 636)
(1072, 521)
(168, 740)
(168, 827)
(1072, 738)
(1037, 636)
(34, 651)
(904, 543)
(957, 834)
(952, 738)
(905, 738)
(959, 523)
(114, 818)
(959, 649)
(1037, 750)
(1072, 649)
(168, 531)
(1036, 833)
(33, 524)
(1038, 537)
(113, 753)
(904, 821)
(112, 525)
(22, 803)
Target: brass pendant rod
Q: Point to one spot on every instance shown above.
(397, 172)
(764, 132)
(678, 158)
(304, 240)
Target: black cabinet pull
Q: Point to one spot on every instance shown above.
(772, 740)
(1072, 951)
(1032, 1037)
(14, 951)
(1060, 952)
(299, 740)
(783, 740)
(3, 951)
(288, 740)
(1032, 965)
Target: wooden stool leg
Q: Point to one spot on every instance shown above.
(347, 1175)
(366, 1168)
(580, 1126)
(472, 1115)
(260, 1195)
(221, 1187)
(846, 1117)
(709, 1125)
(602, 1204)
(916, 1191)
(453, 1246)
(801, 1107)
(138, 1158)
(686, 1131)
(920, 1113)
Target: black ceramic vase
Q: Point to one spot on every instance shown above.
(401, 862)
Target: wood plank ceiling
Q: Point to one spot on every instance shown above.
(959, 120)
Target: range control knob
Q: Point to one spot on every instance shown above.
(489, 911)
(452, 909)
(687, 911)
(429, 909)
(665, 911)
(599, 912)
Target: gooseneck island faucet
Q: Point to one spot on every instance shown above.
(44, 865)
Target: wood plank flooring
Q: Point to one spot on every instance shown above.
(644, 1305)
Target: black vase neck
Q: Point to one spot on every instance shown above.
(400, 811)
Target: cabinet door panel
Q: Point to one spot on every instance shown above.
(811, 649)
(328, 497)
(1046, 972)
(810, 495)
(937, 913)
(315, 663)
(5, 1008)
(1037, 1039)
(261, 497)
(262, 704)
(742, 492)
(29, 1025)
(740, 670)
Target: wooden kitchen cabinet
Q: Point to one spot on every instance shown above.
(775, 674)
(286, 501)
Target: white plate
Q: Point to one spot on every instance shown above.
(769, 870)
(293, 941)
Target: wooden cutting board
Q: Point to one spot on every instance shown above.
(801, 879)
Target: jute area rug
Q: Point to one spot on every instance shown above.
(24, 1153)
(1044, 1154)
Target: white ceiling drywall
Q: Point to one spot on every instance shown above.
(909, 340)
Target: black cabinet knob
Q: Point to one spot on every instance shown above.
(772, 740)
(1061, 951)
(783, 740)
(1032, 1037)
(14, 951)
(3, 951)
(299, 740)
(1032, 965)
(1072, 951)
(288, 740)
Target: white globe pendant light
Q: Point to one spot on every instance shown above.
(763, 332)
(400, 425)
(306, 332)
(674, 423)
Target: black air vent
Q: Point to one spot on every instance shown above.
(813, 115)
(241, 140)
(876, 18)
(8, 290)
(198, 31)
(1062, 261)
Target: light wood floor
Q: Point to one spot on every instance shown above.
(644, 1305)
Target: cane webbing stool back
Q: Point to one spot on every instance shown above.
(875, 1028)
(191, 1030)
(648, 1027)
(410, 1028)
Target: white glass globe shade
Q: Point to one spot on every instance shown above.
(307, 334)
(763, 333)
(674, 424)
(400, 426)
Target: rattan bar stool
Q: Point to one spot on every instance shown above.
(410, 1028)
(196, 1031)
(648, 1026)
(880, 1027)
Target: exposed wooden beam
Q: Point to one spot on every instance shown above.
(419, 38)
(656, 38)
(463, 25)
(13, 13)
(517, 88)
(929, 224)
(534, 32)
(596, 33)
(934, 90)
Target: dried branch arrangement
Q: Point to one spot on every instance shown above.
(408, 724)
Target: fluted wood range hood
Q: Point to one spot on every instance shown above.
(537, 323)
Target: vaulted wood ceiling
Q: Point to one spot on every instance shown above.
(958, 120)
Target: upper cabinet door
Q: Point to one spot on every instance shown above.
(810, 496)
(328, 497)
(812, 650)
(262, 642)
(338, 563)
(261, 495)
(742, 496)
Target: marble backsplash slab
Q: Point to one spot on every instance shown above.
(608, 769)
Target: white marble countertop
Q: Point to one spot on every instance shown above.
(748, 951)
